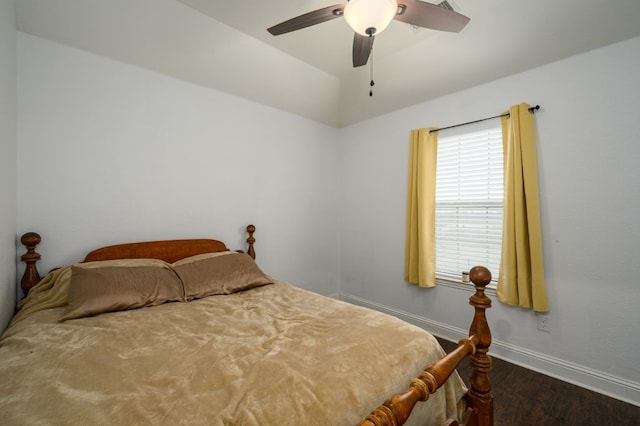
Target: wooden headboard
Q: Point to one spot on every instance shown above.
(168, 250)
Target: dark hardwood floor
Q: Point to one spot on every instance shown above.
(524, 397)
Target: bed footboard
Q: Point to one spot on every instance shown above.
(396, 410)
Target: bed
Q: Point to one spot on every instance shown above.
(190, 332)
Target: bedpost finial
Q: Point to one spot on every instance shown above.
(31, 276)
(251, 251)
(30, 240)
(480, 276)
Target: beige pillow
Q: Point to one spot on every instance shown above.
(123, 262)
(201, 256)
(94, 290)
(220, 275)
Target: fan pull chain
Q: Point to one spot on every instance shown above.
(372, 83)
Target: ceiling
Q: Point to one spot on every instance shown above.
(224, 45)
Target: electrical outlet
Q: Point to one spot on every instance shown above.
(543, 323)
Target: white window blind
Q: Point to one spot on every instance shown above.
(469, 196)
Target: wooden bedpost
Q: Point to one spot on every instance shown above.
(396, 410)
(251, 229)
(479, 397)
(31, 277)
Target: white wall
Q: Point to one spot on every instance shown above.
(7, 160)
(589, 151)
(111, 153)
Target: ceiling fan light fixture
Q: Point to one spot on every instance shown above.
(369, 17)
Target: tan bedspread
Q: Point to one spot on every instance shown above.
(274, 355)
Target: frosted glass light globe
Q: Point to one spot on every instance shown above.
(369, 17)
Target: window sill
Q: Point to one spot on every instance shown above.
(457, 284)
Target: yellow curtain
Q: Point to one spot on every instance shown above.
(521, 278)
(420, 257)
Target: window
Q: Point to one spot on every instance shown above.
(469, 198)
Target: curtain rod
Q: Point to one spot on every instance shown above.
(531, 110)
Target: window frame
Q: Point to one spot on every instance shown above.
(451, 279)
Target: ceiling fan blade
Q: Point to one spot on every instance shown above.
(361, 49)
(308, 19)
(428, 15)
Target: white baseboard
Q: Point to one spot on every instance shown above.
(597, 381)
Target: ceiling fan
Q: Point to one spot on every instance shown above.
(370, 17)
